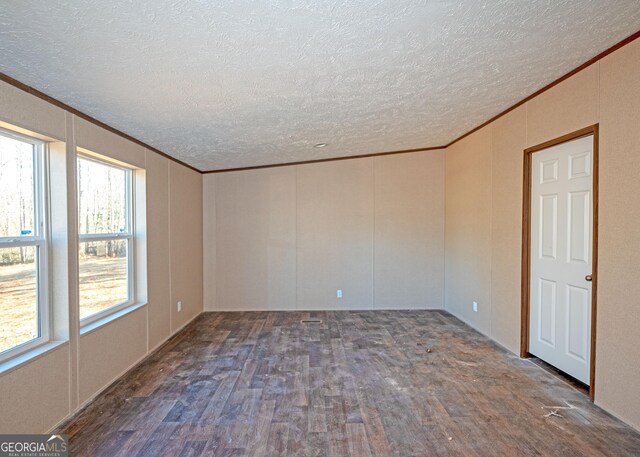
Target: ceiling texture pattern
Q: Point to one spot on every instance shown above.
(239, 83)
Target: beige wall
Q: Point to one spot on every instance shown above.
(185, 215)
(508, 134)
(618, 333)
(468, 229)
(409, 230)
(106, 353)
(484, 212)
(256, 233)
(335, 235)
(40, 393)
(159, 266)
(289, 237)
(35, 396)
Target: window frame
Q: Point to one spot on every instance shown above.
(128, 235)
(40, 239)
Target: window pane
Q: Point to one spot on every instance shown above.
(18, 296)
(16, 187)
(102, 198)
(103, 275)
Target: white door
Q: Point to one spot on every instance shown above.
(561, 256)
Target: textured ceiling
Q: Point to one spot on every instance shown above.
(238, 83)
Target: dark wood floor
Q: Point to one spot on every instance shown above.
(384, 383)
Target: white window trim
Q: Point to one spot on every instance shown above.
(128, 235)
(40, 240)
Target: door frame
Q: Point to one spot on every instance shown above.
(526, 244)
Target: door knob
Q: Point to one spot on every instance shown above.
(588, 278)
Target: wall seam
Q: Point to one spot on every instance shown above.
(72, 232)
(146, 256)
(444, 228)
(598, 91)
(491, 150)
(169, 250)
(295, 305)
(215, 243)
(72, 375)
(373, 238)
(526, 125)
(444, 238)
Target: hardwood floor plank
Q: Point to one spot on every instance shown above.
(375, 430)
(259, 435)
(336, 427)
(214, 409)
(113, 443)
(358, 442)
(278, 438)
(317, 419)
(193, 449)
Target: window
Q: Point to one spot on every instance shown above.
(23, 245)
(105, 227)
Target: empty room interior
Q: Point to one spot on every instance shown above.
(320, 228)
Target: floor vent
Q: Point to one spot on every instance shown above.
(311, 321)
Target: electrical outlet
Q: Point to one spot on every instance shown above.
(475, 306)
(179, 306)
(339, 293)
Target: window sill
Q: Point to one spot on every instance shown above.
(88, 328)
(18, 361)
